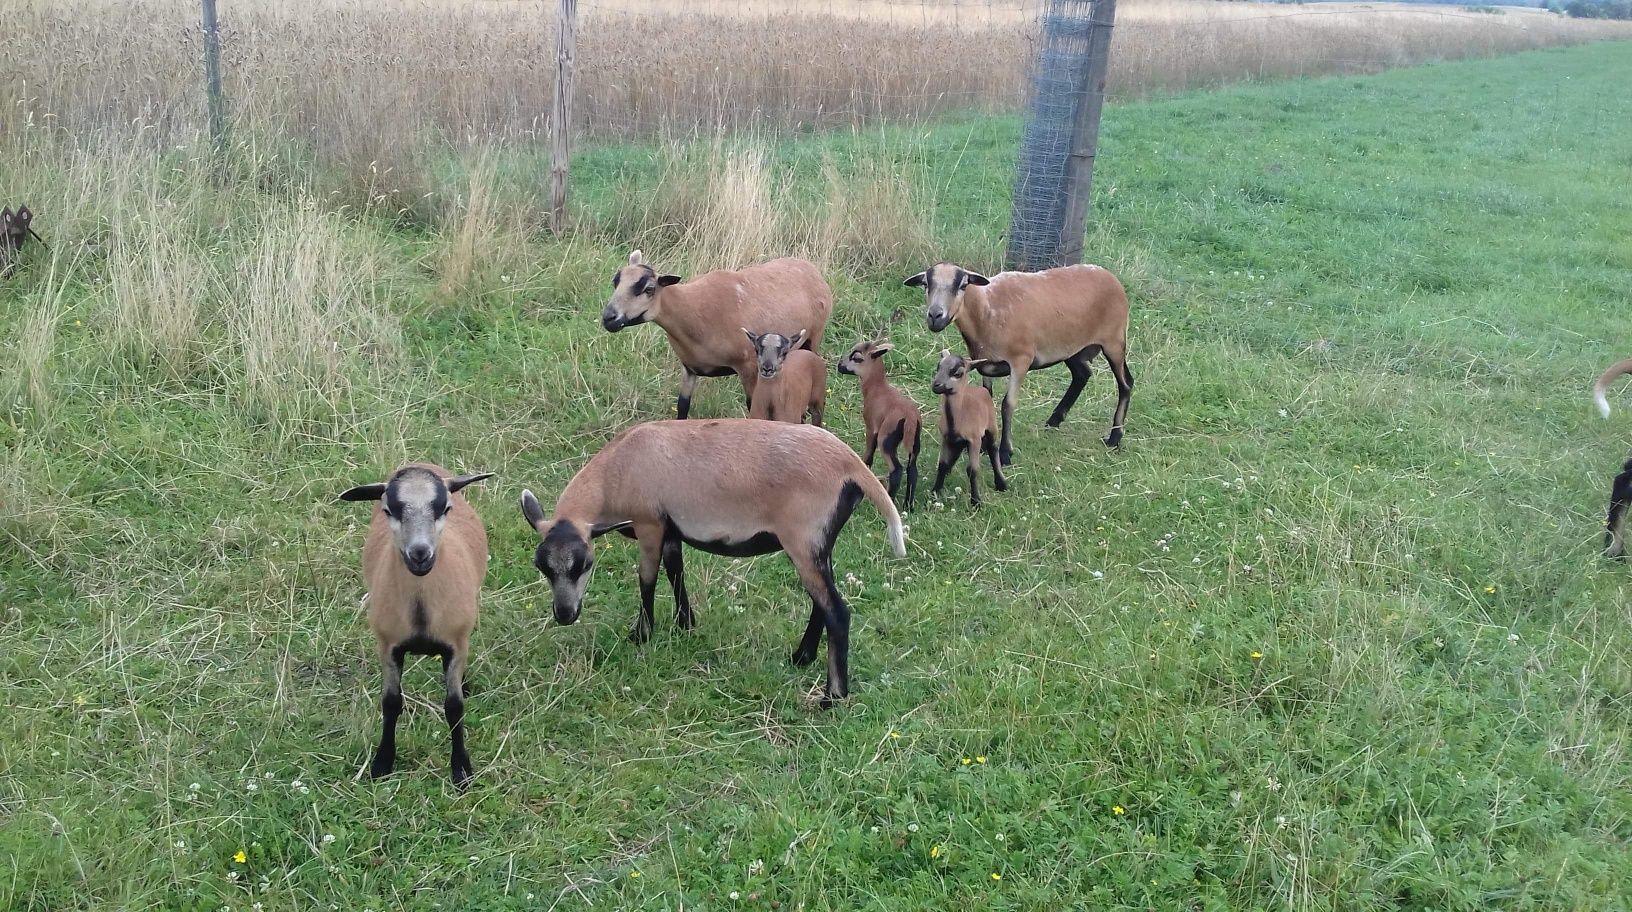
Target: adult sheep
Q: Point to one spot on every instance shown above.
(1023, 321)
(703, 317)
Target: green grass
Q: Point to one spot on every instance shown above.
(1330, 632)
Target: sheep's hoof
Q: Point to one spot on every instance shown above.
(461, 774)
(685, 620)
(1613, 549)
(1054, 421)
(1114, 441)
(1005, 456)
(802, 657)
(640, 634)
(382, 766)
(829, 700)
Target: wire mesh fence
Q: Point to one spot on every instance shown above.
(1045, 146)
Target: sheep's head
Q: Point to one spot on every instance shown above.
(771, 350)
(634, 294)
(952, 370)
(416, 502)
(943, 285)
(863, 356)
(564, 555)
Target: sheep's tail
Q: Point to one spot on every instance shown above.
(1600, 390)
(874, 491)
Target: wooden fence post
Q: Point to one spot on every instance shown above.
(1079, 169)
(212, 77)
(566, 53)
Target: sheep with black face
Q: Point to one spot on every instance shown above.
(424, 561)
(732, 486)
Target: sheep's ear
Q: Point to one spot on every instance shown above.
(454, 484)
(916, 281)
(752, 339)
(5, 217)
(977, 363)
(531, 509)
(976, 278)
(664, 281)
(635, 259)
(798, 338)
(600, 529)
(24, 214)
(881, 348)
(365, 492)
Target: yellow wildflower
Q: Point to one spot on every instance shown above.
(894, 733)
(241, 856)
(1256, 655)
(1490, 590)
(996, 876)
(1117, 810)
(935, 852)
(79, 699)
(967, 761)
(635, 874)
(980, 759)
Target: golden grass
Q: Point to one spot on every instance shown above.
(367, 82)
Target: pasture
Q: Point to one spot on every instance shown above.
(1329, 632)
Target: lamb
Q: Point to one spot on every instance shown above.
(784, 296)
(731, 486)
(423, 560)
(791, 380)
(888, 414)
(967, 422)
(1023, 321)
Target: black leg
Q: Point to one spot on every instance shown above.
(674, 567)
(1620, 494)
(1124, 393)
(837, 618)
(998, 481)
(950, 447)
(688, 385)
(805, 653)
(972, 464)
(453, 706)
(1080, 372)
(912, 469)
(385, 756)
(650, 553)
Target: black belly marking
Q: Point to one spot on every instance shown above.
(753, 546)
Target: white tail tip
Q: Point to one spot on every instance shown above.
(1603, 403)
(898, 538)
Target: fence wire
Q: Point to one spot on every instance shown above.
(1045, 147)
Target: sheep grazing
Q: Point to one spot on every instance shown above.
(1024, 321)
(784, 296)
(730, 486)
(891, 417)
(967, 422)
(791, 381)
(424, 561)
(1620, 492)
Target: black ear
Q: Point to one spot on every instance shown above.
(976, 278)
(454, 484)
(365, 492)
(600, 529)
(531, 509)
(23, 214)
(916, 281)
(664, 281)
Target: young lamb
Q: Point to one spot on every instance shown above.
(785, 296)
(889, 415)
(1024, 321)
(967, 423)
(731, 486)
(424, 561)
(791, 380)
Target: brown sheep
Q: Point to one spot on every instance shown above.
(967, 424)
(1023, 321)
(731, 486)
(1620, 492)
(424, 561)
(791, 381)
(890, 416)
(784, 296)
